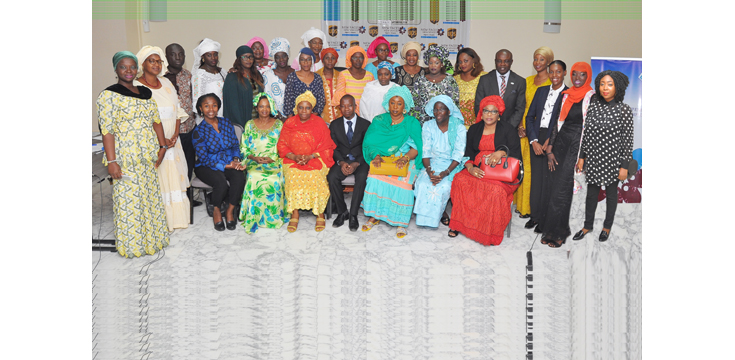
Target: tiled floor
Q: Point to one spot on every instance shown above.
(344, 295)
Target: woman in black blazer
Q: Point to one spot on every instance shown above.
(481, 207)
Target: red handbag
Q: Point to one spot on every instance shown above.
(507, 170)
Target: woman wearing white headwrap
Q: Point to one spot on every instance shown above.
(274, 79)
(315, 40)
(371, 102)
(206, 76)
(172, 173)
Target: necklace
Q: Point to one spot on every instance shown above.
(142, 79)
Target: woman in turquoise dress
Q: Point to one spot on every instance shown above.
(444, 145)
(390, 198)
(263, 203)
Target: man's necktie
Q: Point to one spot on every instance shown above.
(502, 85)
(349, 138)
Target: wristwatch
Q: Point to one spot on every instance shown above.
(163, 147)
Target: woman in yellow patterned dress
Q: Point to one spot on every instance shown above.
(542, 57)
(306, 147)
(467, 73)
(132, 136)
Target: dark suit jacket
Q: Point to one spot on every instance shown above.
(536, 111)
(514, 98)
(344, 147)
(504, 135)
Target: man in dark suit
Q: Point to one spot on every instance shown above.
(348, 133)
(541, 120)
(508, 85)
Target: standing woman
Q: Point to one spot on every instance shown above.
(371, 102)
(391, 198)
(314, 39)
(173, 172)
(329, 77)
(206, 75)
(561, 155)
(542, 57)
(263, 201)
(444, 141)
(237, 93)
(274, 79)
(607, 147)
(134, 147)
(353, 80)
(407, 73)
(437, 81)
(301, 81)
(467, 75)
(260, 52)
(380, 49)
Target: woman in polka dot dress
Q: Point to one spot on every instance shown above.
(607, 147)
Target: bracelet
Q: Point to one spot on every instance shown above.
(111, 161)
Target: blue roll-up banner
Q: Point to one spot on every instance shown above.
(629, 191)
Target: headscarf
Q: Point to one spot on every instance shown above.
(242, 50)
(401, 91)
(440, 52)
(448, 102)
(314, 33)
(306, 96)
(575, 94)
(256, 100)
(326, 51)
(411, 45)
(389, 66)
(317, 140)
(279, 44)
(306, 51)
(351, 51)
(147, 51)
(384, 139)
(122, 55)
(262, 42)
(204, 47)
(491, 100)
(374, 45)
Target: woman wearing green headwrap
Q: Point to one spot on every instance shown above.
(390, 198)
(134, 147)
(263, 201)
(239, 87)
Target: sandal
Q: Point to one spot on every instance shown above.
(370, 223)
(401, 232)
(453, 233)
(320, 224)
(445, 219)
(293, 224)
(556, 243)
(545, 241)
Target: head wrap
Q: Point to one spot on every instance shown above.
(204, 47)
(121, 55)
(448, 102)
(314, 33)
(371, 50)
(351, 51)
(440, 52)
(279, 44)
(306, 96)
(256, 100)
(307, 51)
(389, 66)
(401, 91)
(262, 42)
(411, 45)
(575, 94)
(491, 100)
(242, 50)
(326, 51)
(147, 51)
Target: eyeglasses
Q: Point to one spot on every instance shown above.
(487, 112)
(152, 61)
(247, 57)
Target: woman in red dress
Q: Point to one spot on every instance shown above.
(481, 207)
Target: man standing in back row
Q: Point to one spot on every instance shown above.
(506, 84)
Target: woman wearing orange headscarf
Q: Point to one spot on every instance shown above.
(562, 153)
(329, 78)
(353, 80)
(481, 207)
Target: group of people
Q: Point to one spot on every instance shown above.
(412, 137)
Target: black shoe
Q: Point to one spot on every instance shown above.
(524, 216)
(340, 220)
(604, 235)
(538, 230)
(530, 224)
(232, 225)
(353, 223)
(220, 226)
(196, 203)
(579, 235)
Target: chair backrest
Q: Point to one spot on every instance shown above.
(238, 131)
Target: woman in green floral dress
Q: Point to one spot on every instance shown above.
(263, 201)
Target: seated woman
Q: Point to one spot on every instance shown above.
(353, 80)
(444, 146)
(380, 49)
(263, 203)
(390, 198)
(218, 159)
(306, 148)
(481, 207)
(371, 102)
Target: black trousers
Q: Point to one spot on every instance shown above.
(336, 190)
(611, 194)
(218, 181)
(189, 152)
(539, 172)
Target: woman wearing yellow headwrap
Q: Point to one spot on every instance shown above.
(407, 73)
(306, 147)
